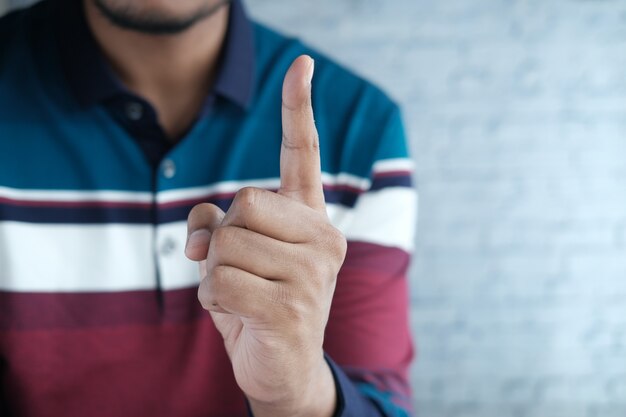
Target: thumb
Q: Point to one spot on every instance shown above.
(300, 171)
(203, 219)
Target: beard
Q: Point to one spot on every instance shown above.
(154, 22)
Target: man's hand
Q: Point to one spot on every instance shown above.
(269, 267)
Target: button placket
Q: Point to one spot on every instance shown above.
(134, 111)
(168, 246)
(168, 168)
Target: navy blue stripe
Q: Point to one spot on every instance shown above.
(133, 215)
(78, 215)
(178, 213)
(342, 197)
(391, 181)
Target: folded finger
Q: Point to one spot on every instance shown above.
(202, 220)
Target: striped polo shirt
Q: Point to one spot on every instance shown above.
(98, 307)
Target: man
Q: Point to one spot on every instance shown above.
(132, 131)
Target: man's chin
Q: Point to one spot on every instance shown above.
(154, 20)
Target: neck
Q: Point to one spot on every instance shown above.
(173, 72)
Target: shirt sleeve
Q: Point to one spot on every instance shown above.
(368, 341)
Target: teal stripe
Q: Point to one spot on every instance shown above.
(384, 399)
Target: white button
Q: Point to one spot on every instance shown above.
(168, 167)
(168, 246)
(134, 111)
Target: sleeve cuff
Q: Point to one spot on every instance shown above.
(350, 402)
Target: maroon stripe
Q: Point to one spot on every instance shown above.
(31, 311)
(398, 173)
(368, 328)
(373, 257)
(394, 173)
(160, 370)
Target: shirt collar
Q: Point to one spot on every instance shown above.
(235, 78)
(92, 81)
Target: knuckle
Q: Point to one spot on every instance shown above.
(301, 107)
(334, 241)
(331, 247)
(213, 289)
(246, 197)
(246, 203)
(339, 244)
(310, 142)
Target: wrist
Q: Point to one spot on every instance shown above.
(316, 398)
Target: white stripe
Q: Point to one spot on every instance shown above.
(227, 187)
(85, 258)
(386, 217)
(74, 258)
(390, 165)
(183, 194)
(344, 178)
(75, 196)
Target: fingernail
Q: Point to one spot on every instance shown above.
(311, 69)
(197, 238)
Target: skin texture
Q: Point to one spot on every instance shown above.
(269, 268)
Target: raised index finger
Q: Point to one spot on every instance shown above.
(300, 171)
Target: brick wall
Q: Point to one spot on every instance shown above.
(517, 115)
